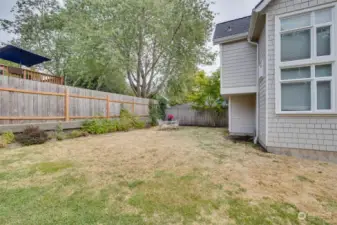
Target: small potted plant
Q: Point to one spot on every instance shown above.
(170, 117)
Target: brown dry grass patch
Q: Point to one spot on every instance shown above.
(205, 161)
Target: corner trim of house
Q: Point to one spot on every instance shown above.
(229, 39)
(229, 114)
(239, 90)
(267, 77)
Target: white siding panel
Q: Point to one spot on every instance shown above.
(238, 64)
(242, 114)
(300, 131)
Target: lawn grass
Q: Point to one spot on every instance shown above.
(190, 176)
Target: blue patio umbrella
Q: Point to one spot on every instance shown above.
(21, 56)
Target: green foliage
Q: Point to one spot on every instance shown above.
(179, 86)
(32, 136)
(60, 136)
(77, 133)
(126, 122)
(153, 113)
(205, 94)
(8, 137)
(38, 27)
(102, 45)
(59, 128)
(128, 119)
(99, 126)
(8, 63)
(162, 106)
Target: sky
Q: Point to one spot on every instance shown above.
(224, 9)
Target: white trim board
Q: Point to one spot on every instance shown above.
(229, 39)
(262, 5)
(239, 90)
(229, 114)
(267, 77)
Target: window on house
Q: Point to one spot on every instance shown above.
(306, 62)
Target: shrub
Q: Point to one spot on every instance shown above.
(139, 124)
(59, 128)
(126, 122)
(77, 133)
(60, 136)
(8, 137)
(153, 114)
(162, 106)
(32, 136)
(99, 126)
(131, 121)
(123, 125)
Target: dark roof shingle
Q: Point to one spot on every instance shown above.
(232, 27)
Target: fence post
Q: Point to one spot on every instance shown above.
(107, 107)
(66, 104)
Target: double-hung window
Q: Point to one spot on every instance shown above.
(305, 62)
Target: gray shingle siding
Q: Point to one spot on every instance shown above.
(238, 64)
(295, 132)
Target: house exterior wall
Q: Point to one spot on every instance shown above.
(238, 64)
(242, 114)
(262, 88)
(307, 132)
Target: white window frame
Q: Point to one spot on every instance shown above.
(312, 61)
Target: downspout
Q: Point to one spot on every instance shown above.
(257, 91)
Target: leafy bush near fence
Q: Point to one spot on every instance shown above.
(154, 114)
(99, 126)
(126, 122)
(6, 138)
(32, 136)
(131, 120)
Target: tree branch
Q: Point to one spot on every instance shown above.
(154, 63)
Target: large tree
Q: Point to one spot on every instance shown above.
(150, 41)
(143, 46)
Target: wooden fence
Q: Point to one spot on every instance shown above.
(26, 101)
(188, 116)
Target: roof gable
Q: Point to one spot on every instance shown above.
(231, 28)
(239, 28)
